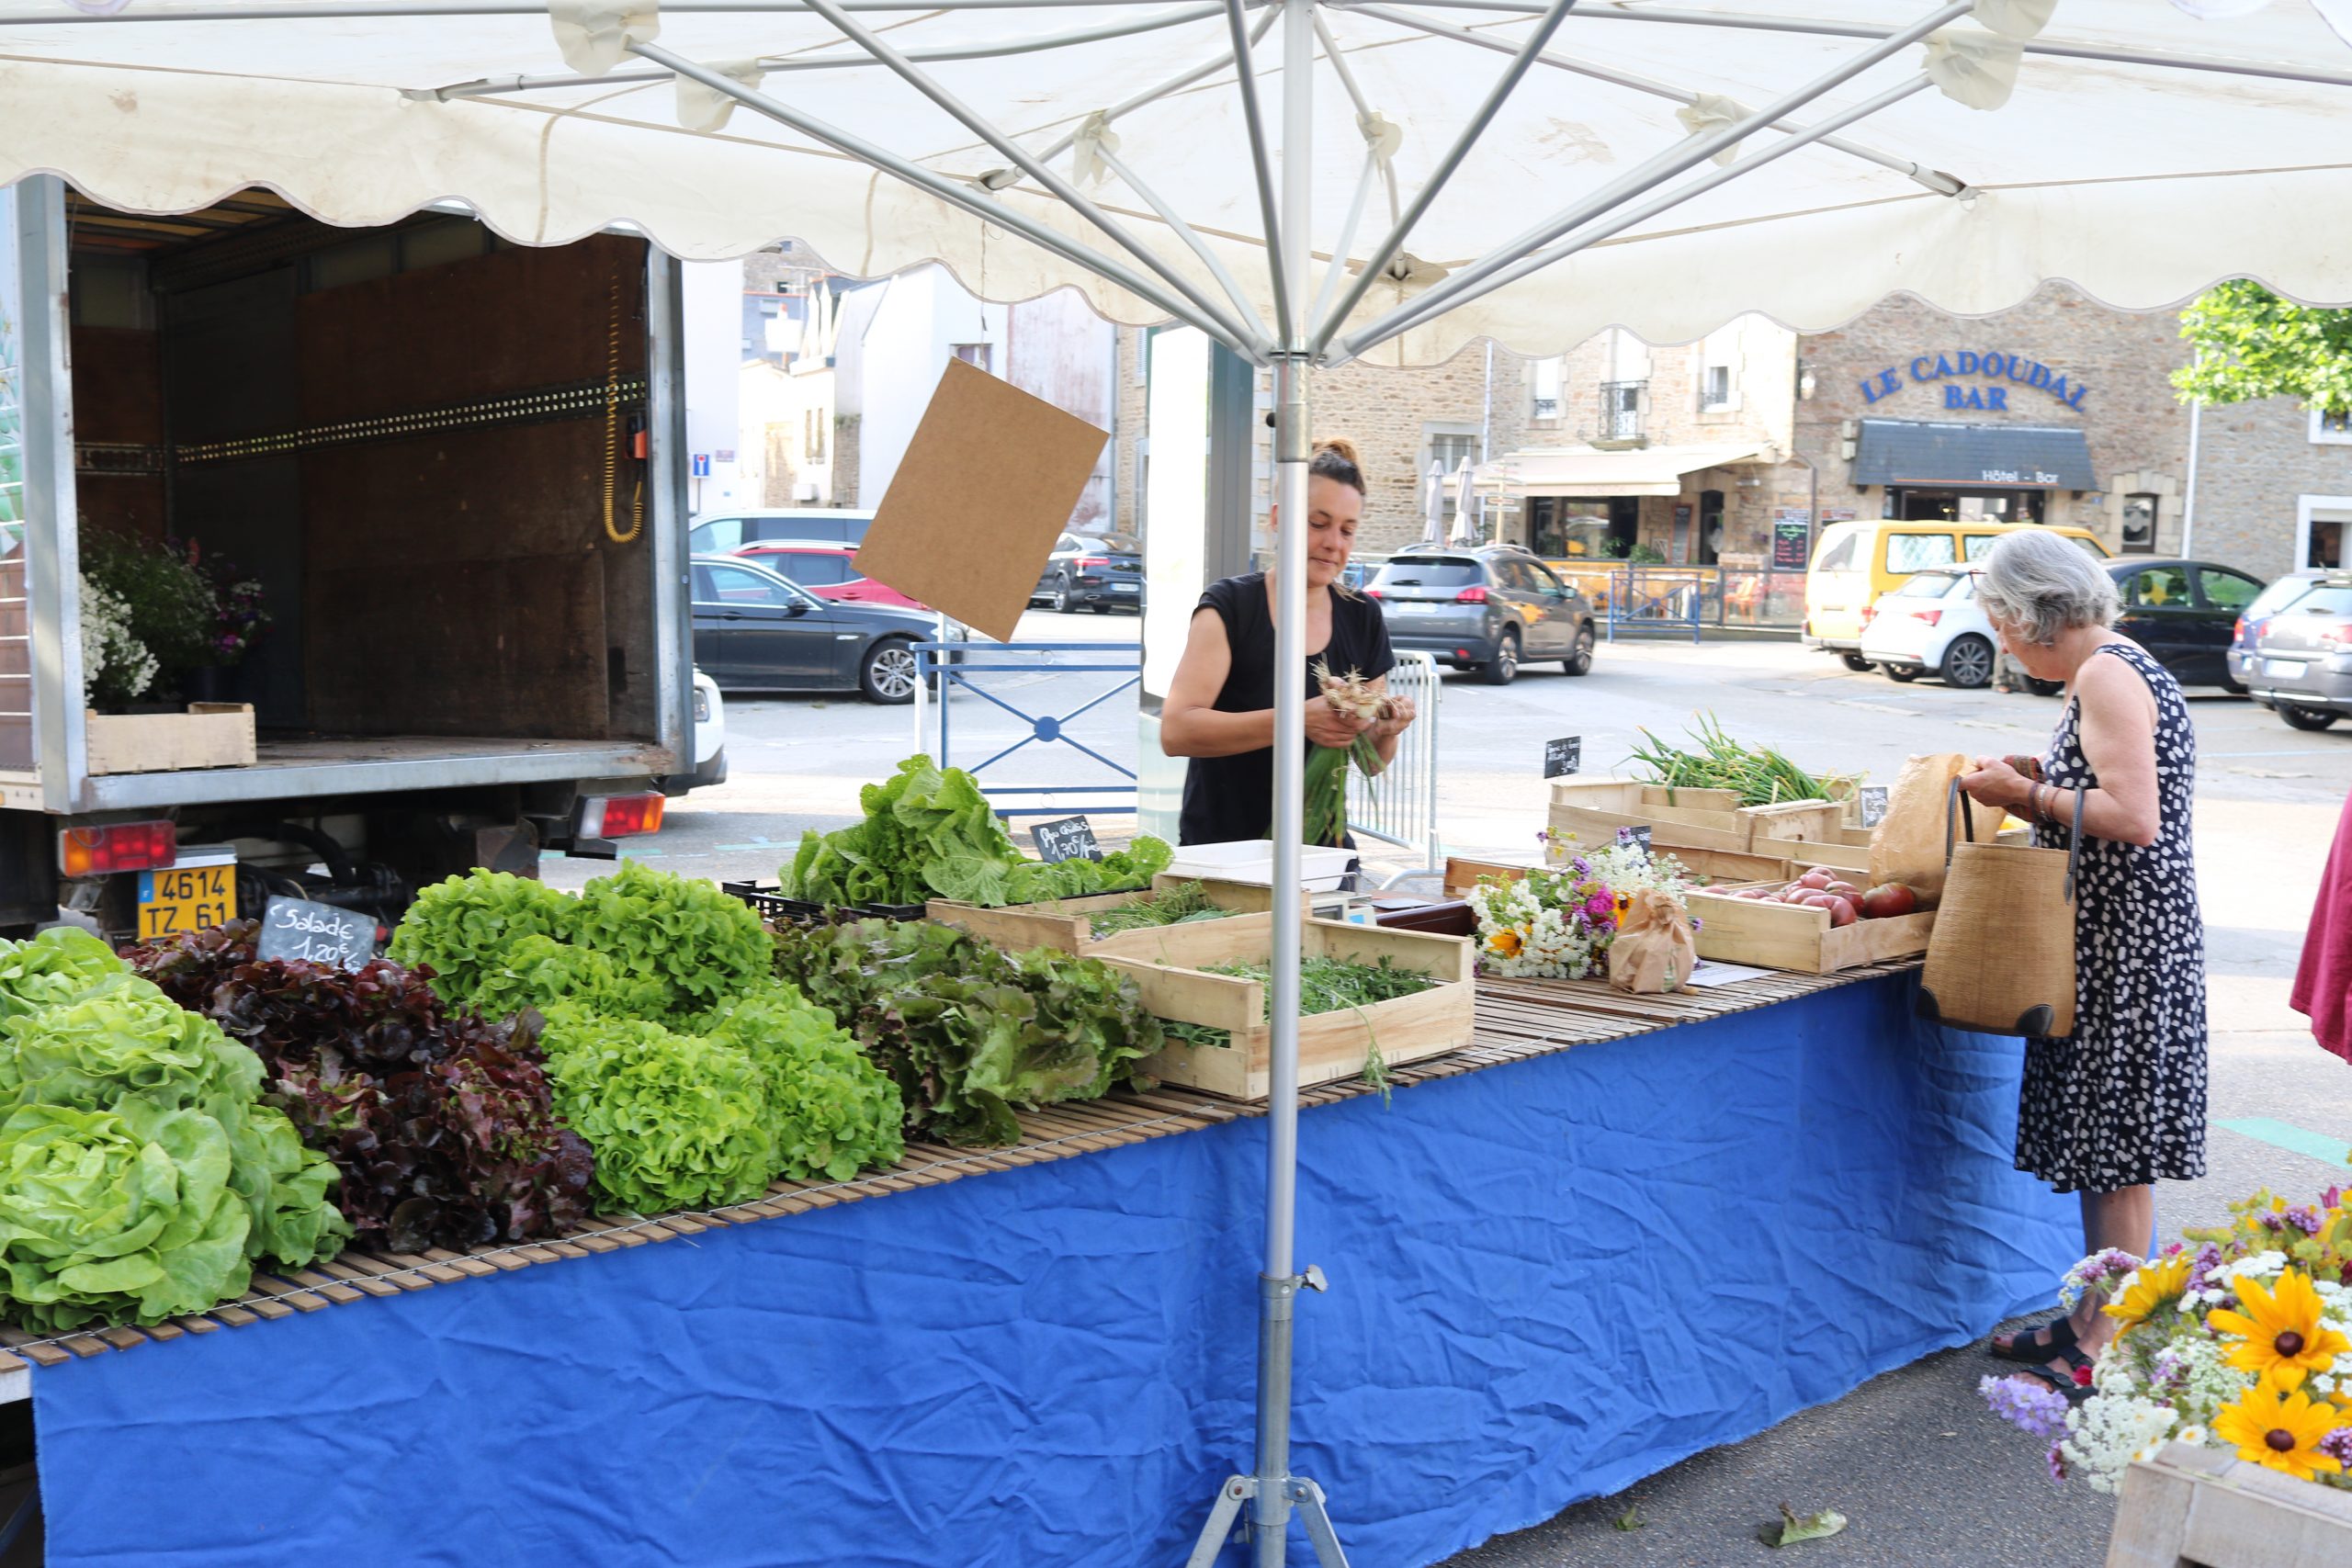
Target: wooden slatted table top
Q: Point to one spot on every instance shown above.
(1518, 1019)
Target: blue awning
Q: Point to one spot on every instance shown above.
(2000, 456)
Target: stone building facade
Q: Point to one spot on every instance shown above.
(2273, 487)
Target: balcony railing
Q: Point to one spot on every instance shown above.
(1620, 411)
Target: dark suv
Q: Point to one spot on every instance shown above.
(1490, 609)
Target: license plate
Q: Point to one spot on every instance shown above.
(1122, 588)
(186, 898)
(2283, 669)
(1406, 607)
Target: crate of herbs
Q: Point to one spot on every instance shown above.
(1371, 999)
(1105, 921)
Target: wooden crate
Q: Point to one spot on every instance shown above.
(2202, 1507)
(1791, 936)
(1067, 924)
(1332, 1045)
(1708, 867)
(1812, 838)
(1593, 810)
(209, 735)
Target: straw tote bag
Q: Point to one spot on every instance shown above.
(2001, 959)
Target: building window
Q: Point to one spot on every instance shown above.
(1621, 410)
(975, 355)
(1545, 375)
(1718, 360)
(2331, 427)
(1449, 449)
(2140, 524)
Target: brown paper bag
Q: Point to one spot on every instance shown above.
(1654, 950)
(1909, 844)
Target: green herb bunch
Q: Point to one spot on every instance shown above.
(1760, 774)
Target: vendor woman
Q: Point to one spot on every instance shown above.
(1220, 706)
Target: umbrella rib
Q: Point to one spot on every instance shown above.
(1338, 266)
(1406, 321)
(1253, 115)
(1803, 26)
(953, 192)
(1651, 173)
(773, 63)
(1935, 180)
(1250, 319)
(1522, 60)
(1067, 194)
(342, 10)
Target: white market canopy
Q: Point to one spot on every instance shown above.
(1587, 472)
(2142, 154)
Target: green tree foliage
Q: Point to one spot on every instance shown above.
(2252, 344)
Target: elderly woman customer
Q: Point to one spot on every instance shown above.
(2119, 1103)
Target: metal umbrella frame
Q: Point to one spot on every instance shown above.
(1311, 325)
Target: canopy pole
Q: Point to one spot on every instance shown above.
(1270, 1492)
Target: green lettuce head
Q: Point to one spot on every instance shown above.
(114, 1217)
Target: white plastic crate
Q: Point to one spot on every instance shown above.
(1252, 861)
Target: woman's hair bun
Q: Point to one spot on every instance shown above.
(1335, 459)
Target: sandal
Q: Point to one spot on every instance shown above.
(2021, 1347)
(2064, 1382)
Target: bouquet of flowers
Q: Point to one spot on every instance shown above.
(1556, 924)
(2238, 1338)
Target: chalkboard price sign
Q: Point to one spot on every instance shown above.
(1562, 756)
(1874, 802)
(1639, 837)
(316, 933)
(1070, 838)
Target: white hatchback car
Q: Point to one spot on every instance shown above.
(1932, 625)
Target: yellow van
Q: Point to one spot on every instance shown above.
(1853, 563)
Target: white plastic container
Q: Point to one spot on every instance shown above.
(1252, 861)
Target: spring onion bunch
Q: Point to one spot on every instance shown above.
(1327, 766)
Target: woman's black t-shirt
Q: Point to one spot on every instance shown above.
(1233, 797)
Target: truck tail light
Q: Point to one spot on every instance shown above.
(1471, 596)
(621, 816)
(124, 846)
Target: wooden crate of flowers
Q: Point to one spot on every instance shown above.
(1556, 922)
(1375, 998)
(2220, 1403)
(1103, 922)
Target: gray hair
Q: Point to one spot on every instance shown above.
(2044, 584)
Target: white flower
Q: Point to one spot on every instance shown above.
(2195, 1436)
(107, 644)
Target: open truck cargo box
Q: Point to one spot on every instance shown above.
(449, 462)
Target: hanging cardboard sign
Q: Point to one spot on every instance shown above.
(986, 486)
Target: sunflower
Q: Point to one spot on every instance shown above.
(2279, 1334)
(2279, 1429)
(2152, 1285)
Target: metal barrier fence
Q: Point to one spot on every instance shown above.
(964, 662)
(1399, 808)
(1656, 602)
(1675, 600)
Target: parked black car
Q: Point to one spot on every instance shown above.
(1094, 572)
(756, 632)
(2184, 613)
(1488, 608)
(2293, 649)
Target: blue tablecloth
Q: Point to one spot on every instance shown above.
(1548, 1278)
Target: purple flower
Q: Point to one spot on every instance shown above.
(2337, 1445)
(2209, 1258)
(2056, 1461)
(2032, 1407)
(1599, 905)
(2330, 1198)
(2305, 1219)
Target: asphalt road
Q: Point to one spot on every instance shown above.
(1923, 1473)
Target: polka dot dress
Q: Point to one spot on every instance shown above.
(2121, 1101)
